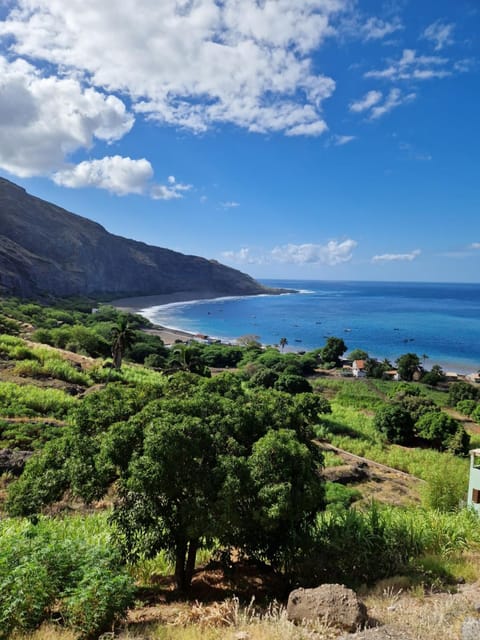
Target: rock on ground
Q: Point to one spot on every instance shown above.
(471, 629)
(330, 602)
(380, 633)
(12, 461)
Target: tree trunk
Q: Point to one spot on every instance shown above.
(192, 556)
(180, 553)
(185, 556)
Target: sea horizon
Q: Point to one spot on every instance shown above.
(437, 320)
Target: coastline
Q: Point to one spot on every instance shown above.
(169, 335)
(143, 304)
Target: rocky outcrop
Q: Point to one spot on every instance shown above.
(332, 603)
(471, 629)
(47, 250)
(13, 461)
(346, 473)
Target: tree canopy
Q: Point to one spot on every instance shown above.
(195, 460)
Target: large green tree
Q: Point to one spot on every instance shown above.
(203, 460)
(333, 349)
(408, 364)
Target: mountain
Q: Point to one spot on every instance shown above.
(46, 250)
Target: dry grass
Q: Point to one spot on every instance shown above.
(418, 615)
(422, 617)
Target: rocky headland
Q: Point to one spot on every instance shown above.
(46, 250)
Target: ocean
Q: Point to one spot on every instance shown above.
(439, 322)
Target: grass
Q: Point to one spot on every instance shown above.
(350, 427)
(28, 400)
(416, 614)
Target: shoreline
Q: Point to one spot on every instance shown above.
(170, 335)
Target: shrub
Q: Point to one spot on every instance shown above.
(339, 497)
(395, 423)
(461, 391)
(442, 432)
(69, 565)
(466, 407)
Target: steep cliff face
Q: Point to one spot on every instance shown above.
(47, 250)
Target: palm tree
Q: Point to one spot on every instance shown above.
(283, 342)
(122, 337)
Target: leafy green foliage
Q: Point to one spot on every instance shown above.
(461, 391)
(395, 423)
(27, 400)
(332, 351)
(357, 547)
(408, 364)
(223, 485)
(290, 383)
(467, 407)
(69, 565)
(446, 485)
(340, 497)
(443, 432)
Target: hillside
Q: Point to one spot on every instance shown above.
(45, 250)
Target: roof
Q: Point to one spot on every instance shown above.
(359, 364)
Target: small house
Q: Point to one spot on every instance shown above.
(358, 369)
(473, 377)
(473, 499)
(392, 374)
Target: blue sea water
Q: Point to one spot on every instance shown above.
(385, 319)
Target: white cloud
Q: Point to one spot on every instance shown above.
(377, 29)
(231, 204)
(413, 67)
(332, 253)
(120, 176)
(173, 191)
(308, 129)
(243, 256)
(188, 63)
(394, 99)
(45, 118)
(369, 100)
(339, 141)
(475, 245)
(397, 257)
(115, 174)
(378, 105)
(440, 33)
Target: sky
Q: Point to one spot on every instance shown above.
(291, 139)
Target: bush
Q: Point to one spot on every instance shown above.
(69, 565)
(292, 384)
(467, 407)
(395, 423)
(339, 497)
(442, 432)
(461, 391)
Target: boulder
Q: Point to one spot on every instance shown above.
(471, 629)
(12, 461)
(380, 633)
(333, 603)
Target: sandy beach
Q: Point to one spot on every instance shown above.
(168, 335)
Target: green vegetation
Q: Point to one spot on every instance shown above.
(202, 464)
(67, 569)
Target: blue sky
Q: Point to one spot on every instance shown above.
(324, 139)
